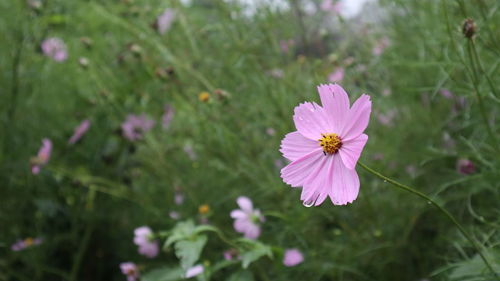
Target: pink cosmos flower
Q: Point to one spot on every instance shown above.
(25, 243)
(55, 49)
(326, 147)
(135, 126)
(329, 6)
(194, 271)
(147, 246)
(42, 158)
(164, 21)
(465, 166)
(130, 270)
(247, 219)
(336, 76)
(167, 116)
(80, 131)
(292, 257)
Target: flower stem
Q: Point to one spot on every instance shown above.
(440, 208)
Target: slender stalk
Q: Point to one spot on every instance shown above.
(482, 108)
(440, 208)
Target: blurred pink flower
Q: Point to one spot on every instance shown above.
(194, 271)
(144, 239)
(386, 92)
(378, 156)
(411, 170)
(25, 243)
(247, 219)
(380, 46)
(135, 126)
(55, 49)
(387, 118)
(167, 116)
(164, 21)
(465, 166)
(285, 45)
(231, 254)
(270, 131)
(329, 6)
(326, 147)
(279, 163)
(174, 215)
(178, 198)
(337, 75)
(130, 270)
(79, 131)
(292, 257)
(42, 158)
(447, 94)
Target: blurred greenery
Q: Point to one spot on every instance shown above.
(88, 199)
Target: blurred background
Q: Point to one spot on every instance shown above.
(120, 114)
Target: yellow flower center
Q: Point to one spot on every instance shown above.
(204, 209)
(204, 97)
(29, 241)
(331, 143)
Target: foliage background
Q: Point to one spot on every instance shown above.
(89, 198)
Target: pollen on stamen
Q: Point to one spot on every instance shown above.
(331, 143)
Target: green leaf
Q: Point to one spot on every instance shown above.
(188, 251)
(252, 251)
(164, 274)
(182, 231)
(242, 275)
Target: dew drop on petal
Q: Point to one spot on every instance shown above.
(308, 204)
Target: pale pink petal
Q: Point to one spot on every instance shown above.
(194, 271)
(241, 225)
(335, 103)
(252, 231)
(296, 172)
(245, 204)
(292, 257)
(311, 121)
(238, 214)
(351, 150)
(358, 118)
(345, 183)
(315, 188)
(294, 146)
(35, 169)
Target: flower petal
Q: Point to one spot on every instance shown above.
(316, 185)
(294, 146)
(351, 150)
(358, 118)
(296, 172)
(238, 214)
(252, 231)
(345, 183)
(245, 204)
(335, 103)
(311, 120)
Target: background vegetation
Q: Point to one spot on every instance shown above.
(88, 199)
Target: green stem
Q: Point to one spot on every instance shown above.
(482, 108)
(440, 208)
